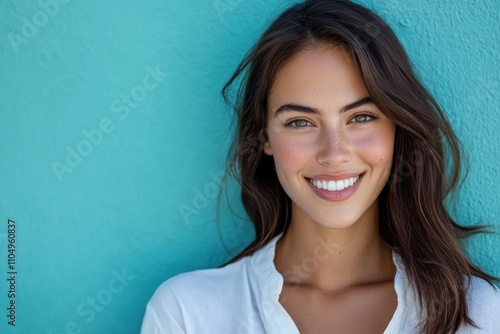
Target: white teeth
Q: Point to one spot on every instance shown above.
(335, 185)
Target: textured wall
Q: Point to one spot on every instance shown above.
(113, 137)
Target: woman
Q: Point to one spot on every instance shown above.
(342, 156)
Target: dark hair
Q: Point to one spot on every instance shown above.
(426, 168)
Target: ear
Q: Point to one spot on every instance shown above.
(266, 146)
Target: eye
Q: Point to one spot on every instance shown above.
(363, 118)
(298, 123)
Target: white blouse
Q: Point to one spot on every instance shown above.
(242, 298)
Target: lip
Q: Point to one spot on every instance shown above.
(335, 196)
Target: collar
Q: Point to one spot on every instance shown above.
(270, 284)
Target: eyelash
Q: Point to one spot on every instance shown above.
(365, 113)
(289, 123)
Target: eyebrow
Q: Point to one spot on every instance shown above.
(310, 110)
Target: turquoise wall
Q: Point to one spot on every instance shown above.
(113, 138)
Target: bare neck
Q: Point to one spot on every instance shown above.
(333, 259)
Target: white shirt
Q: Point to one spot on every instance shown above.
(242, 298)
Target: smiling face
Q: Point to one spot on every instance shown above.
(332, 146)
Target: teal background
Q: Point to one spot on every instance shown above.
(94, 243)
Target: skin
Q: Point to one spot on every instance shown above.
(338, 272)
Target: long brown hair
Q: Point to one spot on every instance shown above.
(426, 167)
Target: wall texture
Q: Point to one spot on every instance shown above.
(113, 137)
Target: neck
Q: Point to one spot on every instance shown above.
(333, 259)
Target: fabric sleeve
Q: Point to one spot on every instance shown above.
(154, 323)
(493, 317)
(165, 311)
(484, 306)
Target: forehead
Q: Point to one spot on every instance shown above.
(320, 76)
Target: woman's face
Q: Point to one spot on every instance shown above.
(332, 146)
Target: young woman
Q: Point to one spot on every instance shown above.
(345, 161)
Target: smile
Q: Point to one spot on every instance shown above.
(334, 185)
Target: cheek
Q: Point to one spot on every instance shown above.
(377, 149)
(289, 153)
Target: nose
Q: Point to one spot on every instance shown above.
(333, 148)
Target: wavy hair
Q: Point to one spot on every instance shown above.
(426, 168)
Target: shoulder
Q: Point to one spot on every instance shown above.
(481, 291)
(219, 300)
(201, 283)
(198, 293)
(484, 304)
